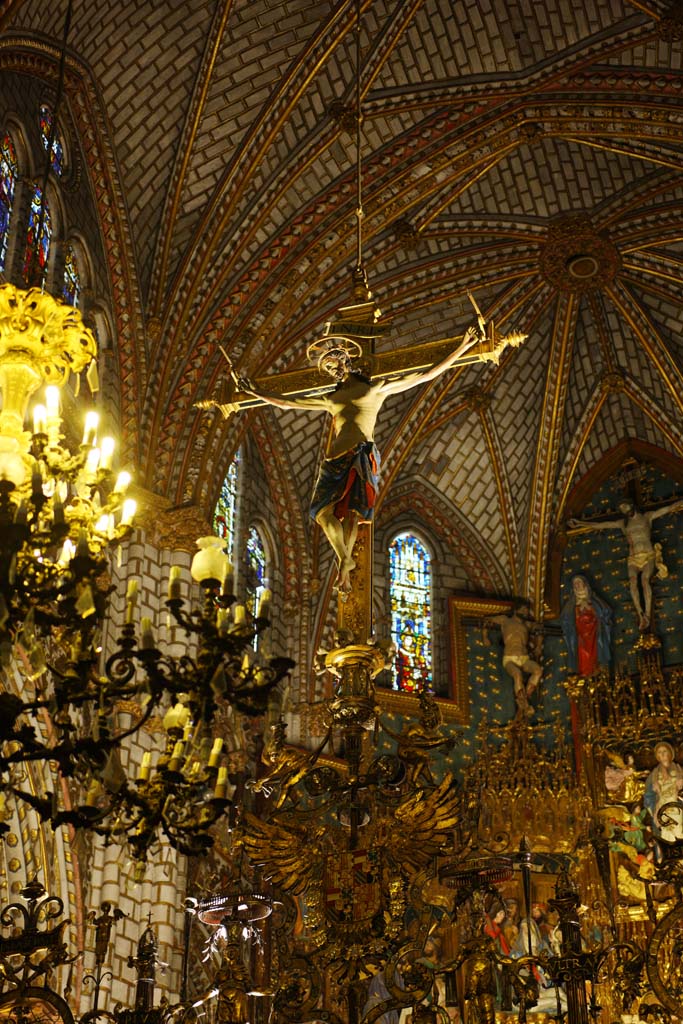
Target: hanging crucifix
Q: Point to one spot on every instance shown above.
(344, 495)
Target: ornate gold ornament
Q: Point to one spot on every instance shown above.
(577, 257)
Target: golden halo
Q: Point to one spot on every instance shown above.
(318, 350)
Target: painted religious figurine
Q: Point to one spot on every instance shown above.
(586, 622)
(346, 488)
(663, 786)
(518, 662)
(644, 557)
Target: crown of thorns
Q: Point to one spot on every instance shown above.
(333, 346)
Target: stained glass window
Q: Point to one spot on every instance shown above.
(37, 260)
(57, 151)
(411, 612)
(224, 515)
(8, 177)
(256, 569)
(71, 289)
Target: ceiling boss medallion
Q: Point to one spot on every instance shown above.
(576, 257)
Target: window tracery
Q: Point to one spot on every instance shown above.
(410, 583)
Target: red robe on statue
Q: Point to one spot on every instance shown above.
(587, 640)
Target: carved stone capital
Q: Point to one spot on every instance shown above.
(179, 527)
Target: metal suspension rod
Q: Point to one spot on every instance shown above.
(359, 174)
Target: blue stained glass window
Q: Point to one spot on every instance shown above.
(225, 513)
(256, 571)
(71, 289)
(57, 151)
(411, 612)
(8, 177)
(37, 260)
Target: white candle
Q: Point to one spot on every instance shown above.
(147, 636)
(107, 448)
(128, 511)
(122, 482)
(131, 599)
(39, 419)
(92, 461)
(92, 421)
(52, 404)
(264, 605)
(174, 583)
(215, 752)
(176, 757)
(145, 767)
(221, 790)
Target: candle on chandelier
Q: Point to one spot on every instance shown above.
(174, 583)
(92, 421)
(221, 790)
(107, 449)
(229, 580)
(264, 605)
(52, 404)
(215, 752)
(176, 757)
(92, 461)
(239, 615)
(39, 419)
(122, 482)
(128, 511)
(131, 599)
(146, 636)
(145, 767)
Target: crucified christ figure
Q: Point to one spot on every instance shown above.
(644, 557)
(346, 488)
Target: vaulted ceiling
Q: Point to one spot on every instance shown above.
(528, 151)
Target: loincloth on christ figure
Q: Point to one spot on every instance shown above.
(348, 483)
(519, 660)
(639, 559)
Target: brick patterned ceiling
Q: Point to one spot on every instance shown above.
(502, 141)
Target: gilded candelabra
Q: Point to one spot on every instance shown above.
(181, 791)
(60, 513)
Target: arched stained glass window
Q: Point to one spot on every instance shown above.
(256, 569)
(37, 260)
(57, 150)
(225, 513)
(8, 177)
(411, 612)
(71, 289)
